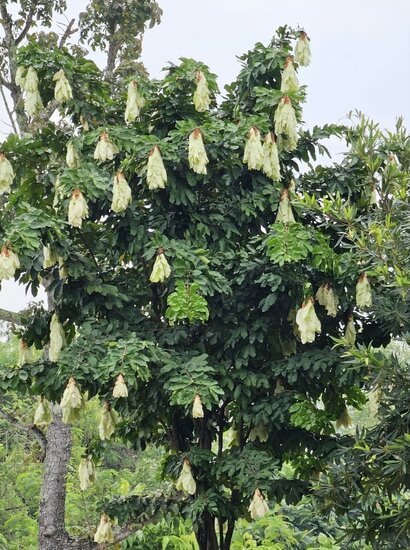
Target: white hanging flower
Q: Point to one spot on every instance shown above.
(271, 167)
(72, 158)
(105, 149)
(104, 531)
(186, 481)
(120, 387)
(20, 77)
(374, 196)
(161, 269)
(33, 103)
(77, 209)
(86, 472)
(285, 123)
(285, 212)
(31, 80)
(258, 507)
(350, 332)
(57, 338)
(6, 174)
(327, 297)
(302, 50)
(253, 153)
(197, 408)
(25, 355)
(108, 421)
(134, 102)
(9, 262)
(308, 322)
(43, 416)
(197, 156)
(156, 173)
(259, 432)
(72, 402)
(62, 90)
(290, 82)
(50, 257)
(363, 292)
(201, 95)
(121, 193)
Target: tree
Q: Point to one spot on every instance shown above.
(224, 354)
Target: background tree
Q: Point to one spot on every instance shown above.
(221, 327)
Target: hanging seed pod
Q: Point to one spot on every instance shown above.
(134, 102)
(62, 90)
(121, 193)
(186, 481)
(197, 408)
(253, 153)
(104, 531)
(77, 209)
(286, 123)
(201, 95)
(285, 212)
(86, 472)
(120, 387)
(156, 173)
(105, 149)
(308, 322)
(290, 82)
(302, 50)
(161, 270)
(271, 167)
(72, 157)
(350, 332)
(57, 338)
(108, 420)
(72, 402)
(25, 355)
(363, 292)
(327, 297)
(197, 156)
(43, 416)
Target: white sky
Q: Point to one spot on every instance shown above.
(360, 55)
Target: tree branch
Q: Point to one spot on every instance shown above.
(67, 33)
(31, 429)
(9, 113)
(10, 316)
(27, 25)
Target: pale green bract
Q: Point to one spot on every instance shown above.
(30, 81)
(327, 297)
(72, 402)
(121, 193)
(57, 338)
(62, 90)
(161, 269)
(33, 103)
(186, 481)
(25, 354)
(105, 149)
(302, 50)
(285, 123)
(72, 157)
(77, 209)
(290, 82)
(201, 95)
(363, 292)
(271, 167)
(104, 531)
(43, 416)
(285, 212)
(134, 102)
(197, 156)
(6, 174)
(50, 258)
(120, 387)
(308, 322)
(86, 472)
(20, 77)
(108, 420)
(350, 332)
(156, 173)
(253, 153)
(9, 262)
(197, 408)
(258, 506)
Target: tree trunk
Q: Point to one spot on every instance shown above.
(206, 535)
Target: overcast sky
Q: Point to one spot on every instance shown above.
(360, 55)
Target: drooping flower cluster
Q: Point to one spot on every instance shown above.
(108, 420)
(253, 153)
(104, 532)
(285, 124)
(161, 270)
(350, 331)
(6, 174)
(201, 95)
(77, 209)
(62, 90)
(186, 481)
(29, 84)
(105, 149)
(290, 82)
(285, 212)
(86, 472)
(50, 257)
(197, 156)
(25, 355)
(72, 157)
(120, 387)
(43, 415)
(271, 167)
(327, 297)
(134, 102)
(57, 338)
(363, 292)
(258, 507)
(156, 173)
(197, 408)
(9, 262)
(121, 193)
(302, 50)
(72, 402)
(308, 322)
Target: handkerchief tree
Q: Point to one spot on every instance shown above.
(194, 297)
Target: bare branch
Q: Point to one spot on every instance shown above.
(68, 32)
(10, 115)
(27, 25)
(10, 316)
(31, 429)
(5, 83)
